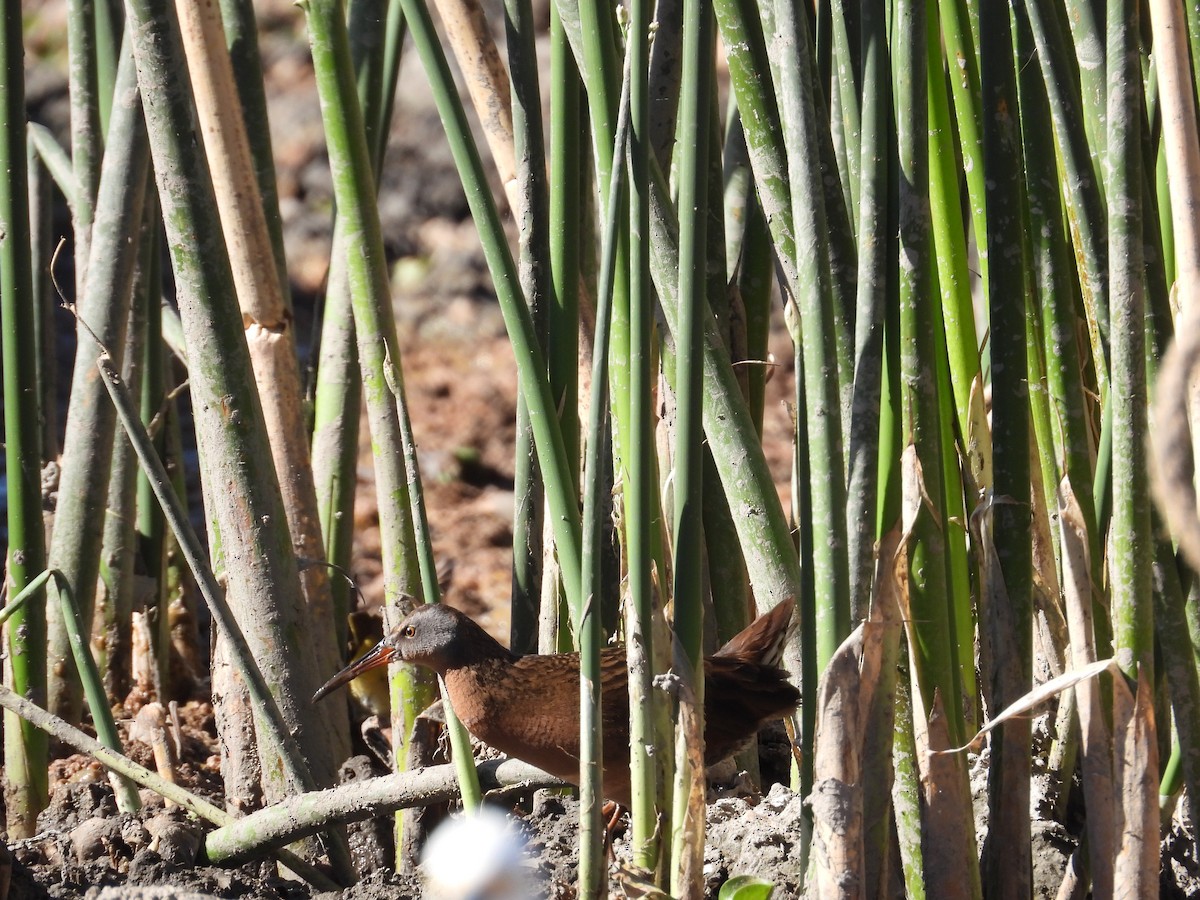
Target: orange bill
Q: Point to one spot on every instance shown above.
(379, 655)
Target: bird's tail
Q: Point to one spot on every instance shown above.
(763, 640)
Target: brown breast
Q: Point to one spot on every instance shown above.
(530, 709)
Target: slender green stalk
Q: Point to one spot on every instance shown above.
(1131, 554)
(151, 529)
(1132, 613)
(687, 534)
(112, 629)
(1082, 179)
(86, 138)
(25, 748)
(531, 377)
(364, 28)
(957, 347)
(590, 27)
(91, 423)
(55, 158)
(533, 218)
(375, 332)
(742, 33)
(93, 687)
(593, 872)
(920, 411)
(110, 24)
(460, 740)
(567, 157)
(963, 67)
(666, 61)
(395, 30)
(337, 401)
(847, 87)
(1086, 21)
(1056, 288)
(950, 242)
(862, 450)
(1007, 869)
(754, 268)
(41, 248)
(640, 484)
(812, 293)
(906, 791)
(1129, 564)
(1178, 666)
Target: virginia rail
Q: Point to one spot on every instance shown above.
(528, 706)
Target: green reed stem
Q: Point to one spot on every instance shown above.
(688, 494)
(103, 309)
(1129, 564)
(1006, 859)
(531, 369)
(593, 871)
(25, 748)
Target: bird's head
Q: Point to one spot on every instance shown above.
(435, 636)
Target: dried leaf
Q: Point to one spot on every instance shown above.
(1096, 763)
(836, 798)
(1135, 769)
(1037, 696)
(877, 709)
(947, 835)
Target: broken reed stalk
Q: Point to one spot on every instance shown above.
(315, 811)
(237, 839)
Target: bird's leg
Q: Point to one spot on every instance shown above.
(612, 813)
(789, 725)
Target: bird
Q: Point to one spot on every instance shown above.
(528, 706)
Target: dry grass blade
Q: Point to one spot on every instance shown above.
(877, 710)
(1135, 770)
(690, 737)
(945, 844)
(837, 795)
(1093, 726)
(1038, 696)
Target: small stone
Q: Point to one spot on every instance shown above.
(94, 838)
(134, 834)
(176, 842)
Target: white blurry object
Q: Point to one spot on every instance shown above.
(479, 857)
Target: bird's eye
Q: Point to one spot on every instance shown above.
(409, 631)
